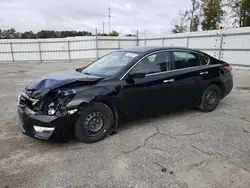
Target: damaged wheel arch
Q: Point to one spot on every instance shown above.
(82, 106)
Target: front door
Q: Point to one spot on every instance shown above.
(148, 95)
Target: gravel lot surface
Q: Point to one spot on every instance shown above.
(177, 150)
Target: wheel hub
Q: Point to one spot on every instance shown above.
(94, 122)
(211, 97)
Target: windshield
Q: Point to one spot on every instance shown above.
(110, 64)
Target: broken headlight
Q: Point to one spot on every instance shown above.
(51, 110)
(55, 103)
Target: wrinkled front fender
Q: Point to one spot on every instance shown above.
(109, 96)
(84, 97)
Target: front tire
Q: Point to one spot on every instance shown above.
(210, 98)
(94, 123)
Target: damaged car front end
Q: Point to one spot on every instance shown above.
(89, 102)
(47, 116)
(48, 108)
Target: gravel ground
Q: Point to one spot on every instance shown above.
(177, 150)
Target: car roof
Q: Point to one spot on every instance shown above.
(149, 49)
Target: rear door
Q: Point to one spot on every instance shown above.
(188, 71)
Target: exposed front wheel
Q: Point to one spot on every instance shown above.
(210, 98)
(94, 123)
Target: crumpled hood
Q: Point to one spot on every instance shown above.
(58, 79)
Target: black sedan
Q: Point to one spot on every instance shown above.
(89, 102)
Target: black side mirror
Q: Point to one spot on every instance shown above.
(137, 75)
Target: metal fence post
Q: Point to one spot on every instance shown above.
(163, 41)
(40, 51)
(188, 41)
(137, 38)
(221, 45)
(69, 50)
(119, 43)
(96, 42)
(145, 42)
(12, 53)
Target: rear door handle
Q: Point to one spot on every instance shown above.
(168, 81)
(204, 73)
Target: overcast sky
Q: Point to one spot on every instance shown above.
(150, 17)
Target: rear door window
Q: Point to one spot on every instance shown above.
(185, 60)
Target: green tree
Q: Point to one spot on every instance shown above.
(64, 34)
(102, 34)
(179, 29)
(28, 35)
(1, 34)
(245, 13)
(180, 25)
(46, 34)
(212, 12)
(239, 12)
(113, 33)
(236, 11)
(12, 34)
(130, 35)
(194, 17)
(195, 24)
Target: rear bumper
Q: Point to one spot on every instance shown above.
(45, 127)
(228, 85)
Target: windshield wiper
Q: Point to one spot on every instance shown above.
(86, 73)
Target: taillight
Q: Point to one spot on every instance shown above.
(228, 68)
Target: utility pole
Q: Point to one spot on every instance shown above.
(102, 27)
(109, 19)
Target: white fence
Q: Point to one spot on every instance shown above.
(232, 46)
(66, 49)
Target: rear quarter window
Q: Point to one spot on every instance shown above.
(204, 60)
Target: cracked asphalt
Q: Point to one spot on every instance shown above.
(184, 149)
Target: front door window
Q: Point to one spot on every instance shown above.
(155, 63)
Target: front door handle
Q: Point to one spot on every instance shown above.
(168, 81)
(204, 73)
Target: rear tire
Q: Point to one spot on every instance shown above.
(94, 123)
(210, 98)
